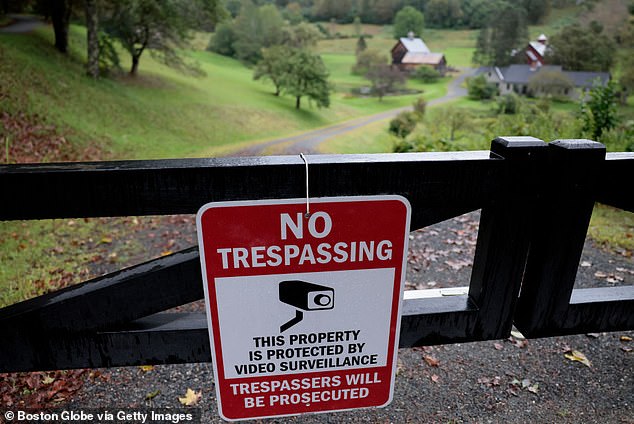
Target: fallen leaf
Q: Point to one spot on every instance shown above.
(435, 378)
(517, 334)
(626, 349)
(593, 335)
(166, 252)
(47, 380)
(191, 397)
(534, 388)
(106, 240)
(431, 361)
(146, 368)
(525, 383)
(600, 274)
(152, 395)
(625, 338)
(586, 264)
(498, 346)
(575, 355)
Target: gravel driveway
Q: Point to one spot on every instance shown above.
(513, 380)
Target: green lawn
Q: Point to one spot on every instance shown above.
(164, 113)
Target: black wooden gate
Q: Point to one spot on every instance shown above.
(536, 202)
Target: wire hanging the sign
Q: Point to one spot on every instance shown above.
(301, 155)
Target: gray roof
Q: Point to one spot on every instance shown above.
(522, 74)
(586, 79)
(415, 45)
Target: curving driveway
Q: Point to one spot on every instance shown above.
(308, 142)
(21, 24)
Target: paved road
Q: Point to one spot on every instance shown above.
(308, 142)
(21, 24)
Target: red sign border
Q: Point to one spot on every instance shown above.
(396, 316)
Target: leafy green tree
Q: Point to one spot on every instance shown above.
(443, 13)
(456, 119)
(274, 65)
(478, 13)
(256, 28)
(385, 79)
(536, 10)
(582, 49)
(293, 13)
(300, 36)
(160, 26)
(499, 43)
(599, 112)
(307, 76)
(408, 20)
(368, 59)
(223, 40)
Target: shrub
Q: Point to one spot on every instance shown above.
(480, 89)
(419, 106)
(427, 74)
(509, 104)
(403, 124)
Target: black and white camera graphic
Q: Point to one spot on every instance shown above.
(305, 296)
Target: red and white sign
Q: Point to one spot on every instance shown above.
(303, 312)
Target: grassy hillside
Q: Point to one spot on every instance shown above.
(163, 113)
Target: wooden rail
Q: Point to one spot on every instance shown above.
(536, 201)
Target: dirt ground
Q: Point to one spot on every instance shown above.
(512, 380)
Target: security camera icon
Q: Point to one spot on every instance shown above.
(305, 296)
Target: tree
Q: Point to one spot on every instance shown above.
(307, 76)
(456, 119)
(536, 10)
(274, 66)
(300, 36)
(223, 40)
(60, 11)
(443, 13)
(361, 45)
(256, 28)
(408, 20)
(385, 79)
(499, 43)
(478, 13)
(92, 37)
(368, 59)
(581, 49)
(149, 24)
(599, 112)
(358, 29)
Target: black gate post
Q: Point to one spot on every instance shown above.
(546, 305)
(504, 236)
